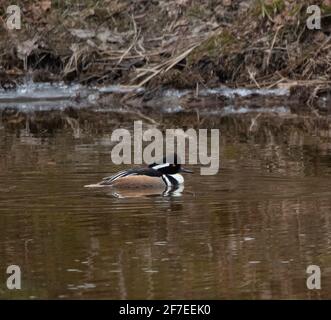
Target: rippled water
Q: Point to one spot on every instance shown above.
(248, 232)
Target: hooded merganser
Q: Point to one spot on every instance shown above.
(163, 175)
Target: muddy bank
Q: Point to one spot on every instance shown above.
(177, 44)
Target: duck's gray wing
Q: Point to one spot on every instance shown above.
(132, 172)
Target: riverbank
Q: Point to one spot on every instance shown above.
(174, 44)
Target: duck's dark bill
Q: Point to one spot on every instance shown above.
(186, 170)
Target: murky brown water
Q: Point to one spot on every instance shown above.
(248, 232)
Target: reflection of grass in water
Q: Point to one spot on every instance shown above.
(231, 151)
(25, 293)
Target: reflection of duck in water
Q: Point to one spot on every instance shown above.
(159, 178)
(147, 192)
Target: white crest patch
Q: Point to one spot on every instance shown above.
(178, 177)
(160, 166)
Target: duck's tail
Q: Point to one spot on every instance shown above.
(96, 185)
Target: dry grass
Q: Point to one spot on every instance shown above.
(262, 44)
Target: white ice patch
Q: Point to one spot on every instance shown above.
(244, 92)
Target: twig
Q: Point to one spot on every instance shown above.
(135, 38)
(165, 66)
(272, 45)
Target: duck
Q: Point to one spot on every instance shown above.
(162, 174)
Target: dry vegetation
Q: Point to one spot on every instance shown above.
(176, 43)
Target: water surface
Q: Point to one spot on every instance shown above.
(248, 232)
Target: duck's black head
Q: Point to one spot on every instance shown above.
(170, 165)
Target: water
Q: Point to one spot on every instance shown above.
(248, 232)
